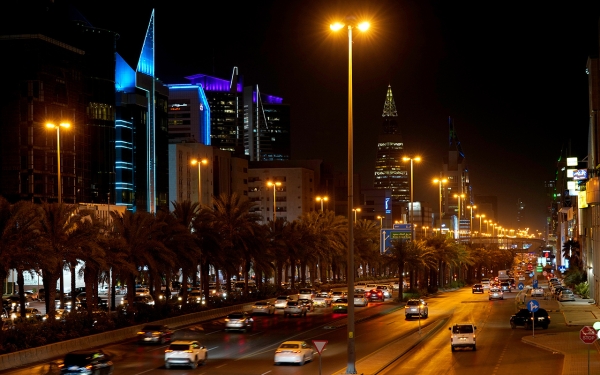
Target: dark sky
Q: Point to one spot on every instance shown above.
(511, 74)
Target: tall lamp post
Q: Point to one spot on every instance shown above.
(199, 162)
(355, 211)
(480, 218)
(440, 181)
(351, 23)
(380, 218)
(274, 184)
(459, 197)
(471, 207)
(57, 127)
(321, 199)
(412, 230)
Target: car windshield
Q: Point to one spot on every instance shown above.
(477, 285)
(305, 291)
(236, 316)
(341, 300)
(462, 329)
(413, 303)
(292, 303)
(282, 298)
(79, 359)
(289, 346)
(260, 304)
(359, 296)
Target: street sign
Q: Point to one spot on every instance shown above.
(535, 283)
(531, 274)
(389, 235)
(402, 226)
(319, 345)
(530, 267)
(562, 268)
(588, 334)
(533, 306)
(521, 286)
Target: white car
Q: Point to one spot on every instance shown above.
(263, 307)
(463, 336)
(281, 301)
(185, 353)
(297, 352)
(566, 295)
(416, 307)
(142, 291)
(360, 300)
(322, 299)
(387, 292)
(537, 292)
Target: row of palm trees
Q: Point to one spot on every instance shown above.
(192, 241)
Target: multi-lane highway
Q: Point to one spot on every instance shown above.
(499, 349)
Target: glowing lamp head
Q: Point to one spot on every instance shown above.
(364, 26)
(336, 26)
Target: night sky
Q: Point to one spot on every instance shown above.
(511, 75)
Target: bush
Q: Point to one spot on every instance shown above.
(583, 289)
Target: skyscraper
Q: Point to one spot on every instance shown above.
(390, 170)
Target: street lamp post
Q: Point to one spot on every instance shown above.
(440, 181)
(274, 184)
(351, 368)
(380, 221)
(355, 211)
(57, 127)
(321, 199)
(480, 217)
(459, 198)
(199, 162)
(412, 230)
(471, 207)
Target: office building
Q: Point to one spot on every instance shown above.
(390, 171)
(455, 170)
(189, 114)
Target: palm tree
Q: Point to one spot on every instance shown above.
(186, 240)
(366, 243)
(572, 251)
(237, 228)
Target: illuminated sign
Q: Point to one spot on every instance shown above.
(580, 174)
(582, 199)
(387, 206)
(570, 173)
(571, 162)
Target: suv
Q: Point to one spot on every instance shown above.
(185, 353)
(477, 288)
(525, 319)
(505, 286)
(462, 336)
(294, 308)
(86, 362)
(416, 307)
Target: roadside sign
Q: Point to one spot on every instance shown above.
(588, 334)
(535, 283)
(530, 267)
(319, 345)
(402, 226)
(389, 235)
(531, 274)
(533, 306)
(521, 286)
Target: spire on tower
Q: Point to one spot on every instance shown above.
(389, 107)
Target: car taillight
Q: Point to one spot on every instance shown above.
(168, 350)
(88, 367)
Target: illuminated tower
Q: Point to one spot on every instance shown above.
(390, 171)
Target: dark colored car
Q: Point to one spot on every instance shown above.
(477, 288)
(526, 319)
(154, 333)
(505, 286)
(375, 295)
(87, 362)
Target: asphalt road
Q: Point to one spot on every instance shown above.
(499, 349)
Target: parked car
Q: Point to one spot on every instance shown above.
(495, 293)
(360, 300)
(92, 361)
(294, 308)
(477, 288)
(416, 307)
(566, 295)
(281, 301)
(263, 307)
(185, 353)
(463, 336)
(340, 306)
(526, 319)
(155, 333)
(239, 321)
(297, 352)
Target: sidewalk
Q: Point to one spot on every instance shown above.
(576, 315)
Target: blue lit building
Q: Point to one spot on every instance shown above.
(189, 114)
(142, 175)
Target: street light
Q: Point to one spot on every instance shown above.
(199, 162)
(440, 181)
(459, 197)
(480, 217)
(355, 211)
(321, 199)
(351, 368)
(471, 218)
(57, 127)
(487, 226)
(425, 228)
(380, 221)
(412, 230)
(274, 184)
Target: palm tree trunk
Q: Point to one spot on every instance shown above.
(21, 284)
(73, 295)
